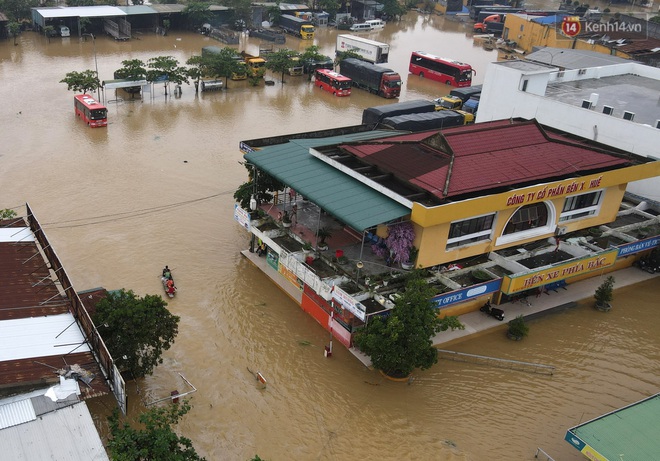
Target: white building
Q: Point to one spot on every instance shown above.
(614, 103)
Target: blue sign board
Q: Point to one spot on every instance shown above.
(636, 247)
(465, 294)
(574, 440)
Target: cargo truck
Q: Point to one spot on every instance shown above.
(297, 26)
(372, 77)
(256, 66)
(369, 50)
(448, 103)
(372, 115)
(428, 121)
(466, 92)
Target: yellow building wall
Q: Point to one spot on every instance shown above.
(528, 34)
(432, 224)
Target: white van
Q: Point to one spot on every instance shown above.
(375, 23)
(64, 31)
(363, 27)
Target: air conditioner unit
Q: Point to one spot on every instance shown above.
(582, 71)
(628, 115)
(586, 104)
(561, 230)
(608, 110)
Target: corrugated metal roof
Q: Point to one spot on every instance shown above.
(486, 156)
(67, 434)
(169, 8)
(80, 12)
(348, 199)
(137, 9)
(15, 413)
(630, 433)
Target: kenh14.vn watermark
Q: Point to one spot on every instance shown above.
(628, 27)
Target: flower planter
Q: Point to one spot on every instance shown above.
(603, 307)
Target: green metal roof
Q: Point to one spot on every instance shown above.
(346, 198)
(629, 433)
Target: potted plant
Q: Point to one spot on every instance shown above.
(518, 328)
(286, 219)
(604, 294)
(323, 234)
(412, 257)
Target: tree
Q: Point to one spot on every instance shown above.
(224, 64)
(155, 441)
(265, 185)
(136, 330)
(82, 82)
(7, 213)
(18, 9)
(14, 29)
(341, 55)
(403, 341)
(84, 23)
(281, 61)
(166, 69)
(393, 8)
(133, 69)
(49, 31)
(197, 13)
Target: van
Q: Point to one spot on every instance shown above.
(375, 23)
(64, 31)
(362, 27)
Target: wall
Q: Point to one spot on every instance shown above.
(433, 224)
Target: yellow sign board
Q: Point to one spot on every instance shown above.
(531, 280)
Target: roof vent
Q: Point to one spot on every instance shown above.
(586, 104)
(628, 115)
(608, 110)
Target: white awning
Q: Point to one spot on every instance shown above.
(114, 84)
(80, 12)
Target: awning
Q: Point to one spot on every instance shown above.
(122, 83)
(100, 11)
(346, 198)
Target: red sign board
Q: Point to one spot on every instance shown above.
(571, 26)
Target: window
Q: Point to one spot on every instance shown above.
(579, 206)
(470, 230)
(527, 217)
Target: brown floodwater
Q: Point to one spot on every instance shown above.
(155, 187)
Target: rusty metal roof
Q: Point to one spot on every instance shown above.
(29, 291)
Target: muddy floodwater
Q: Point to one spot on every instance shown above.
(155, 187)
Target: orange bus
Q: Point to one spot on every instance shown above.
(332, 82)
(90, 110)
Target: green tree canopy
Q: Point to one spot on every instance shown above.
(403, 341)
(197, 13)
(7, 213)
(281, 61)
(133, 69)
(156, 440)
(166, 69)
(14, 29)
(341, 55)
(18, 9)
(223, 64)
(265, 186)
(136, 330)
(394, 8)
(82, 82)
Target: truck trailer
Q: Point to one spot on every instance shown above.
(297, 26)
(466, 92)
(375, 114)
(436, 120)
(369, 50)
(372, 77)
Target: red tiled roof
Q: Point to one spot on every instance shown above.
(486, 156)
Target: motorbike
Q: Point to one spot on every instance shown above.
(492, 311)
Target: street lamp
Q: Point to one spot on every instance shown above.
(96, 65)
(359, 266)
(552, 55)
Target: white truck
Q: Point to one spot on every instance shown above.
(369, 50)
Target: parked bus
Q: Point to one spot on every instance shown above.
(441, 69)
(332, 82)
(92, 112)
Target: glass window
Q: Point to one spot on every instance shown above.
(527, 217)
(470, 230)
(579, 206)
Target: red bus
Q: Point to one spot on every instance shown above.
(92, 112)
(441, 69)
(332, 82)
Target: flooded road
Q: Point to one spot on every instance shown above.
(156, 188)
